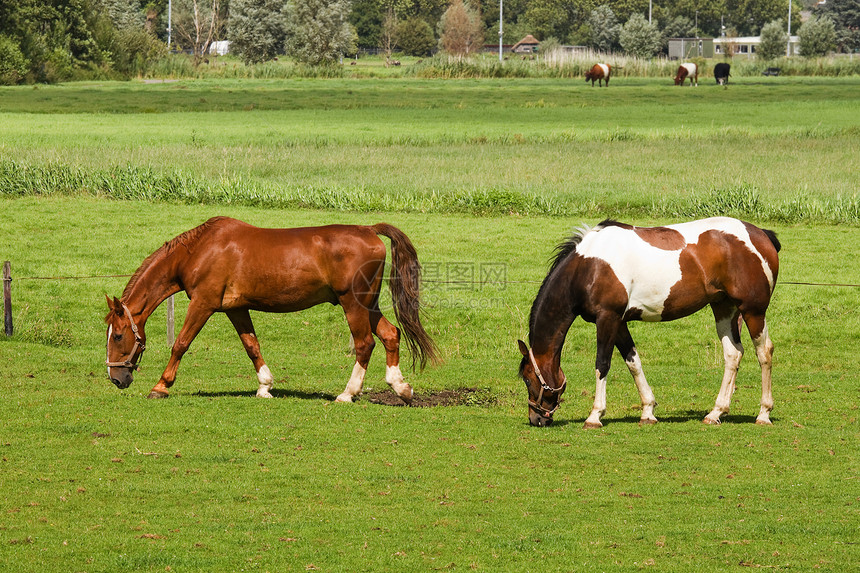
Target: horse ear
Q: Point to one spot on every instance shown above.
(524, 349)
(109, 303)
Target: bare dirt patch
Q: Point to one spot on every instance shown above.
(458, 397)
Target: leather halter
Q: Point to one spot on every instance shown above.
(546, 413)
(138, 344)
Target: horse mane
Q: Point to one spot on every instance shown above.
(186, 239)
(562, 251)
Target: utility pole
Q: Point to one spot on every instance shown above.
(169, 23)
(788, 47)
(501, 8)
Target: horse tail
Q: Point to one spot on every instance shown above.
(405, 285)
(772, 236)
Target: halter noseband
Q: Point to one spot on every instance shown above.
(546, 413)
(138, 344)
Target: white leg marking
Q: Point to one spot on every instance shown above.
(764, 352)
(599, 407)
(264, 375)
(353, 387)
(732, 353)
(645, 393)
(394, 377)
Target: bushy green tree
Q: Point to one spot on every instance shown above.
(677, 27)
(366, 17)
(774, 41)
(415, 37)
(549, 18)
(123, 14)
(604, 28)
(318, 31)
(639, 38)
(256, 29)
(846, 18)
(13, 64)
(817, 37)
(55, 37)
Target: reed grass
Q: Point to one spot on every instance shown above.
(554, 64)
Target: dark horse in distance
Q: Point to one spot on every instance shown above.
(228, 266)
(614, 273)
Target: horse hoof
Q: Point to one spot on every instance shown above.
(711, 421)
(406, 396)
(155, 395)
(647, 421)
(344, 398)
(763, 422)
(592, 425)
(264, 394)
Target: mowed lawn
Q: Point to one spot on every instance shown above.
(212, 479)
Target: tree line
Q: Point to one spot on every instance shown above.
(57, 40)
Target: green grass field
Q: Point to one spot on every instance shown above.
(775, 150)
(97, 479)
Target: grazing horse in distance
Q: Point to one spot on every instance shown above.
(599, 72)
(688, 70)
(614, 273)
(722, 73)
(225, 265)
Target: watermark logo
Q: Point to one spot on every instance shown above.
(454, 285)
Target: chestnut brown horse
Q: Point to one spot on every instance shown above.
(228, 266)
(599, 72)
(615, 273)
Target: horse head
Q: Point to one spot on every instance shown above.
(543, 398)
(125, 343)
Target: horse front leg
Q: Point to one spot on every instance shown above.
(728, 330)
(607, 329)
(764, 352)
(390, 337)
(241, 320)
(627, 348)
(194, 321)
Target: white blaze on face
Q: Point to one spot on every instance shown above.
(107, 347)
(605, 69)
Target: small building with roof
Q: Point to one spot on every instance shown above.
(528, 45)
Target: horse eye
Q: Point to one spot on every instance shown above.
(117, 337)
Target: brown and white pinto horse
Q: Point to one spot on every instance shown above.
(599, 72)
(688, 70)
(228, 266)
(615, 273)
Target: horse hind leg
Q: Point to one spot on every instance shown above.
(757, 327)
(390, 337)
(359, 327)
(241, 320)
(727, 329)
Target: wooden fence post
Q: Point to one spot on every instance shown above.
(7, 298)
(170, 321)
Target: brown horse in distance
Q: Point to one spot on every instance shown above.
(599, 72)
(225, 265)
